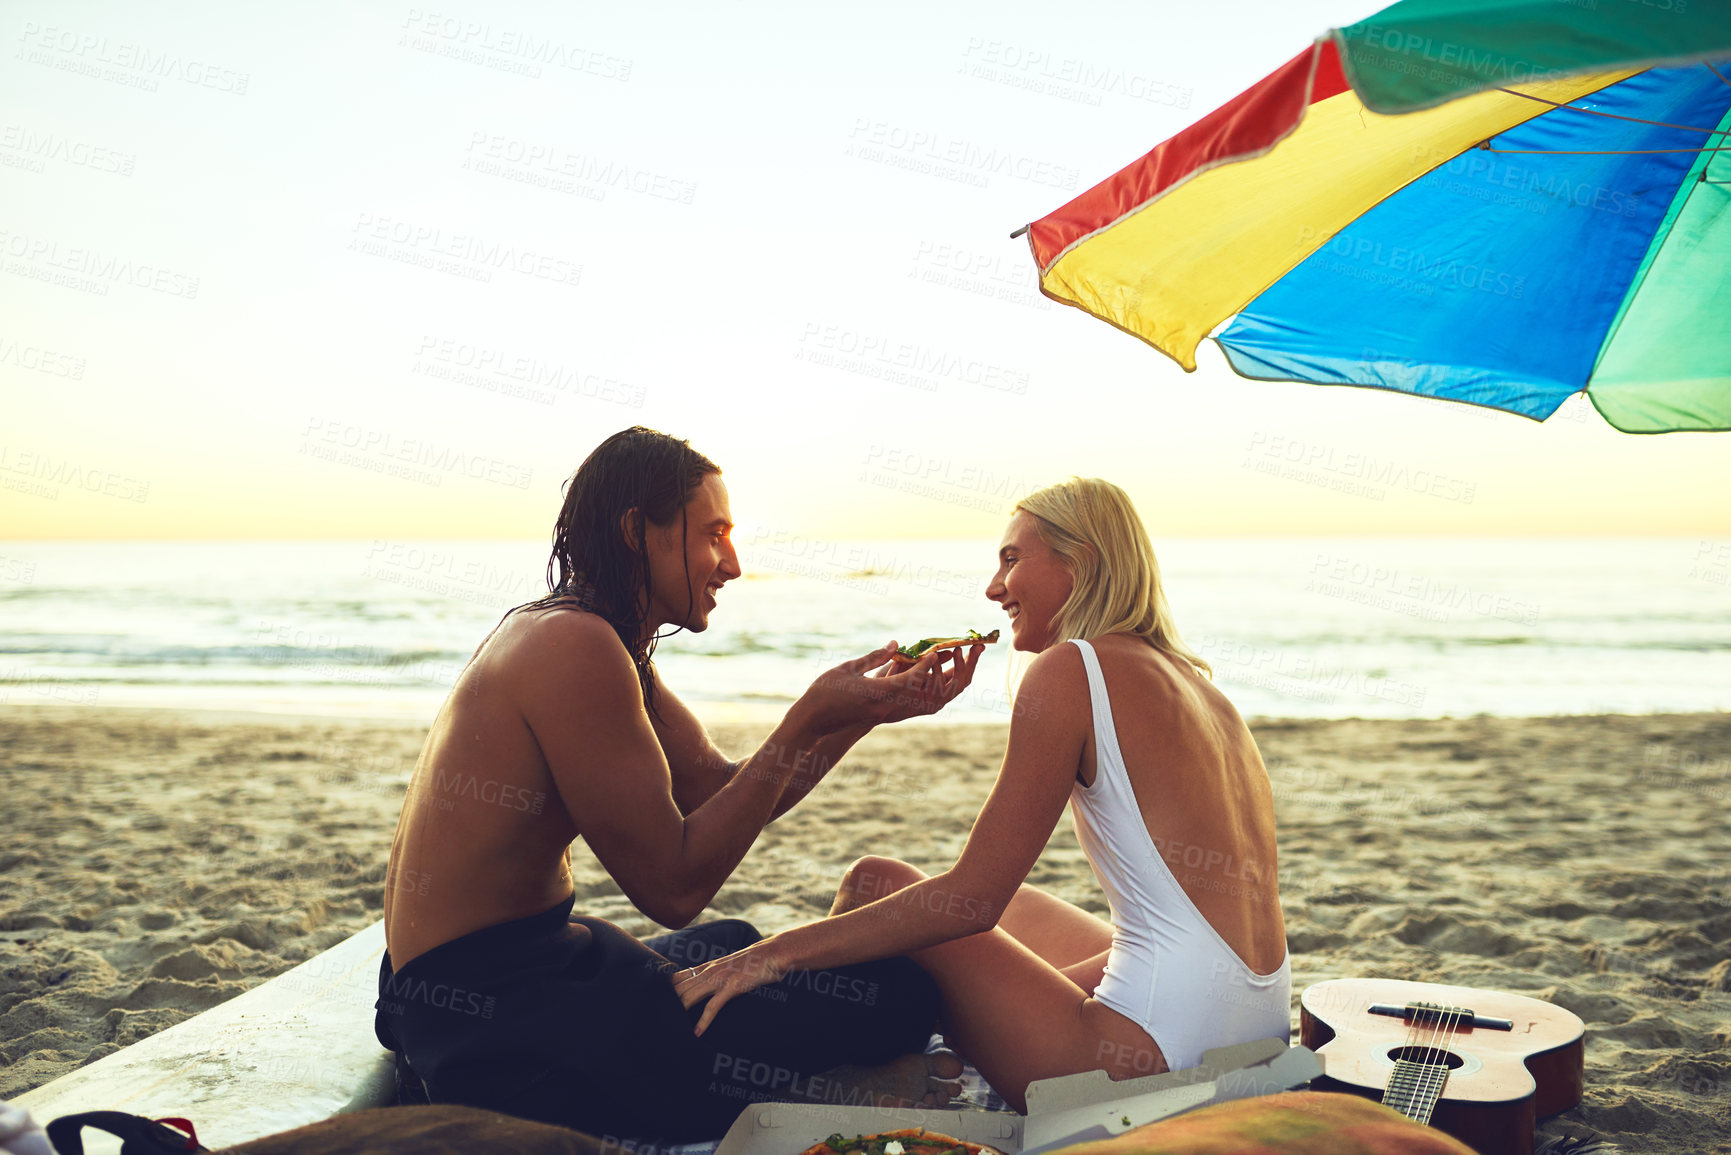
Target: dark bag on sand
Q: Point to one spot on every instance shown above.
(138, 1135)
(433, 1130)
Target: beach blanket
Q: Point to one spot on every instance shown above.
(1294, 1123)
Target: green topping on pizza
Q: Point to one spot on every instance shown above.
(912, 653)
(895, 1143)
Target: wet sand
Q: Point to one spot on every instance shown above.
(158, 862)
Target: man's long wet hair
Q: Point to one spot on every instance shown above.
(650, 476)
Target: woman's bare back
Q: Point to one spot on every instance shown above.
(1202, 790)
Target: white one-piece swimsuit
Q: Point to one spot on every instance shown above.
(1169, 971)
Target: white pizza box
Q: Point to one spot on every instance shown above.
(1071, 1109)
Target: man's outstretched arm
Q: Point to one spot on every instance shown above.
(939, 686)
(699, 768)
(579, 693)
(811, 770)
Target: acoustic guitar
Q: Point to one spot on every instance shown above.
(1480, 1065)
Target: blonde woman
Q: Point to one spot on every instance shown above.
(1172, 806)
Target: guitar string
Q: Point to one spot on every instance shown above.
(1408, 1076)
(1425, 1069)
(1417, 1058)
(1443, 1072)
(1417, 1054)
(1425, 1075)
(1425, 1052)
(1422, 1060)
(1437, 1075)
(1420, 1071)
(1402, 1078)
(1421, 1075)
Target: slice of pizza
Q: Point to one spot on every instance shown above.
(908, 1141)
(908, 655)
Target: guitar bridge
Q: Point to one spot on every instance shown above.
(1432, 1013)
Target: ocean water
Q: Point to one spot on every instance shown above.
(1294, 628)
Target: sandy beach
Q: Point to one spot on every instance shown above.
(159, 862)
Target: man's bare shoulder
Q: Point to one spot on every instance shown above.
(556, 633)
(557, 651)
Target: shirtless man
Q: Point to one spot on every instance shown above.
(560, 727)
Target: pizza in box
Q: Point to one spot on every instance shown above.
(908, 1141)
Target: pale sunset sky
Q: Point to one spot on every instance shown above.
(342, 270)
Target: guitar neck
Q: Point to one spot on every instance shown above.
(1414, 1088)
(1422, 1071)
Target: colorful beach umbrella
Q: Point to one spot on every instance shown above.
(1503, 202)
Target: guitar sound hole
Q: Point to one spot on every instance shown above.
(1427, 1056)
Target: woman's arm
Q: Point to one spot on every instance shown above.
(1047, 733)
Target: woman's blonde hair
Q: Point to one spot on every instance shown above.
(1092, 527)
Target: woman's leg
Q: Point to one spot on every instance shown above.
(1064, 935)
(1059, 932)
(847, 1034)
(1017, 1019)
(1008, 1011)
